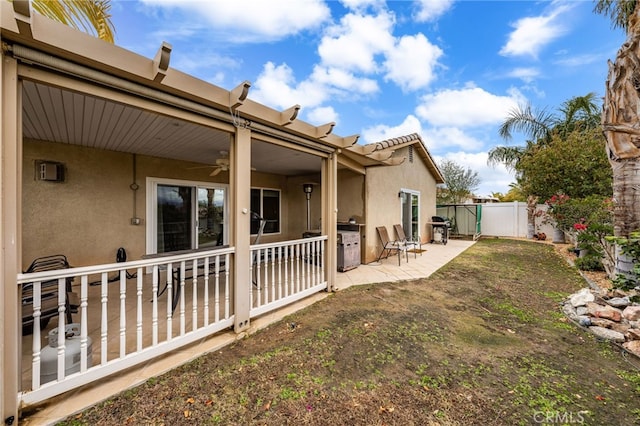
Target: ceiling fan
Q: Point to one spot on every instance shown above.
(221, 165)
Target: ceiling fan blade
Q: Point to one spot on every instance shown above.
(199, 167)
(215, 171)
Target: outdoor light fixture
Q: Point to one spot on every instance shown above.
(308, 189)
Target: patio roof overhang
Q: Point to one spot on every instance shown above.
(359, 157)
(129, 92)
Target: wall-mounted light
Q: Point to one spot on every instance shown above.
(51, 171)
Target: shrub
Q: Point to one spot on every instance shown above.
(589, 263)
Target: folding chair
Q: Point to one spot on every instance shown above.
(416, 244)
(389, 245)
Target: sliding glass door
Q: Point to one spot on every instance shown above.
(185, 216)
(175, 218)
(410, 212)
(210, 217)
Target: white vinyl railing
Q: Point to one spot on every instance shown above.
(285, 272)
(127, 313)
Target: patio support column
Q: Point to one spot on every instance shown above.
(330, 216)
(240, 173)
(10, 235)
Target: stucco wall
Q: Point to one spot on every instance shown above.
(88, 216)
(383, 206)
(350, 196)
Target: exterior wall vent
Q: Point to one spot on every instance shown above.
(411, 153)
(50, 171)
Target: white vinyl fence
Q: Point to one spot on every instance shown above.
(510, 220)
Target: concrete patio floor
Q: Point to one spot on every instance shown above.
(387, 270)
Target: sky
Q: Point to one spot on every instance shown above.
(448, 70)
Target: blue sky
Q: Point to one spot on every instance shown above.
(449, 70)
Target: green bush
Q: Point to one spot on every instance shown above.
(589, 263)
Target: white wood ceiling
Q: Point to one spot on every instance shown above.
(57, 115)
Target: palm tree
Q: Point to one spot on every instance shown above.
(91, 16)
(620, 118)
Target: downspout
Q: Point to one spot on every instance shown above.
(35, 57)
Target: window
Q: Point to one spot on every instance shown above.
(185, 215)
(266, 203)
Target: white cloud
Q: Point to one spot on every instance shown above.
(525, 74)
(381, 132)
(580, 60)
(276, 87)
(492, 179)
(354, 43)
(250, 20)
(430, 10)
(533, 33)
(322, 115)
(362, 4)
(468, 107)
(341, 79)
(353, 54)
(445, 138)
(411, 63)
(206, 61)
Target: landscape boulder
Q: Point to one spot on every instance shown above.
(631, 313)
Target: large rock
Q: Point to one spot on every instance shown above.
(611, 314)
(619, 302)
(581, 298)
(593, 307)
(633, 334)
(632, 313)
(602, 322)
(632, 346)
(612, 325)
(570, 311)
(605, 333)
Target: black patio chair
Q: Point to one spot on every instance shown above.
(48, 295)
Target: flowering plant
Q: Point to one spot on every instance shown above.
(581, 226)
(557, 210)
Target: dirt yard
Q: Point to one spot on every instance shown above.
(481, 342)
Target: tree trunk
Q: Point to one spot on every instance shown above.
(532, 203)
(621, 126)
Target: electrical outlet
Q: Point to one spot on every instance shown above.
(135, 221)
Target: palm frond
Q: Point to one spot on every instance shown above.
(507, 155)
(91, 16)
(536, 125)
(618, 11)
